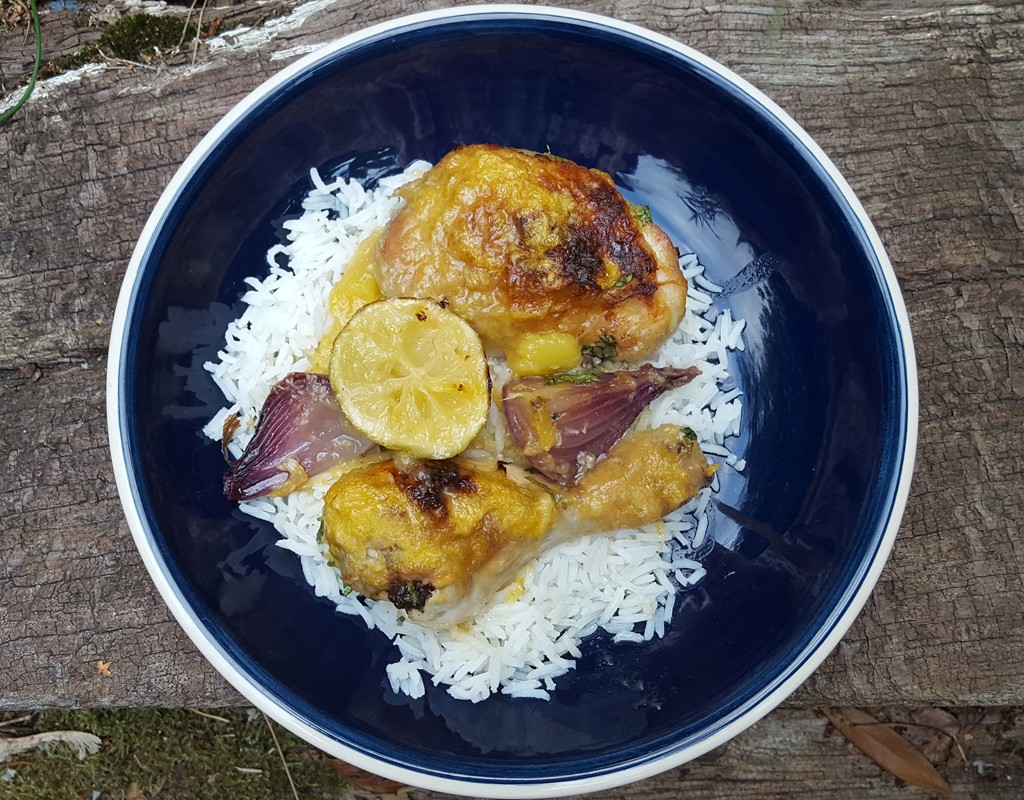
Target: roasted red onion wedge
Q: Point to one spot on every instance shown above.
(301, 432)
(562, 423)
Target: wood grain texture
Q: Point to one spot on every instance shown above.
(796, 755)
(921, 105)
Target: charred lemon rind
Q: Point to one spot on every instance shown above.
(412, 376)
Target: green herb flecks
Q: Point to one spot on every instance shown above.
(604, 349)
(320, 536)
(623, 281)
(641, 213)
(547, 152)
(572, 377)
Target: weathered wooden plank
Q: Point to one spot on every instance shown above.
(920, 106)
(796, 754)
(68, 27)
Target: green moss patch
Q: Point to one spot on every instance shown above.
(142, 37)
(170, 753)
(139, 37)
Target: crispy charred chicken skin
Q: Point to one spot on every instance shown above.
(441, 539)
(519, 242)
(434, 536)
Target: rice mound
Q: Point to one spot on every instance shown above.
(625, 584)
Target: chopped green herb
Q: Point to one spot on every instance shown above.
(641, 213)
(412, 594)
(604, 349)
(547, 152)
(623, 281)
(572, 377)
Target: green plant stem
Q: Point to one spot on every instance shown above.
(5, 116)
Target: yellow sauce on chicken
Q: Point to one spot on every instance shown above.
(518, 242)
(539, 256)
(356, 289)
(427, 526)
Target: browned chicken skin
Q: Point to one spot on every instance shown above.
(433, 531)
(441, 539)
(646, 476)
(519, 242)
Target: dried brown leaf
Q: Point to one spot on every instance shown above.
(937, 718)
(883, 745)
(933, 731)
(374, 784)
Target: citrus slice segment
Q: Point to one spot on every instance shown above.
(412, 376)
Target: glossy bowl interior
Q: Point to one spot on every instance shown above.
(827, 374)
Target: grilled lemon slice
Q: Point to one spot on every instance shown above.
(412, 376)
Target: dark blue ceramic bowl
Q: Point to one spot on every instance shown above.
(828, 430)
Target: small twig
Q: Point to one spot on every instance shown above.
(199, 31)
(280, 752)
(81, 742)
(209, 716)
(115, 61)
(184, 28)
(15, 721)
(960, 749)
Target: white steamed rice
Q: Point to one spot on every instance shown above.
(624, 584)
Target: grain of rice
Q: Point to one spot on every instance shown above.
(706, 283)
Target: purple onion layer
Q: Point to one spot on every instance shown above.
(300, 424)
(563, 423)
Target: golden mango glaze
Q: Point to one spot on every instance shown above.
(356, 289)
(519, 242)
(539, 256)
(441, 538)
(452, 533)
(647, 475)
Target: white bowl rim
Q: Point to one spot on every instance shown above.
(254, 693)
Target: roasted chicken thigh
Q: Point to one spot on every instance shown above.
(519, 242)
